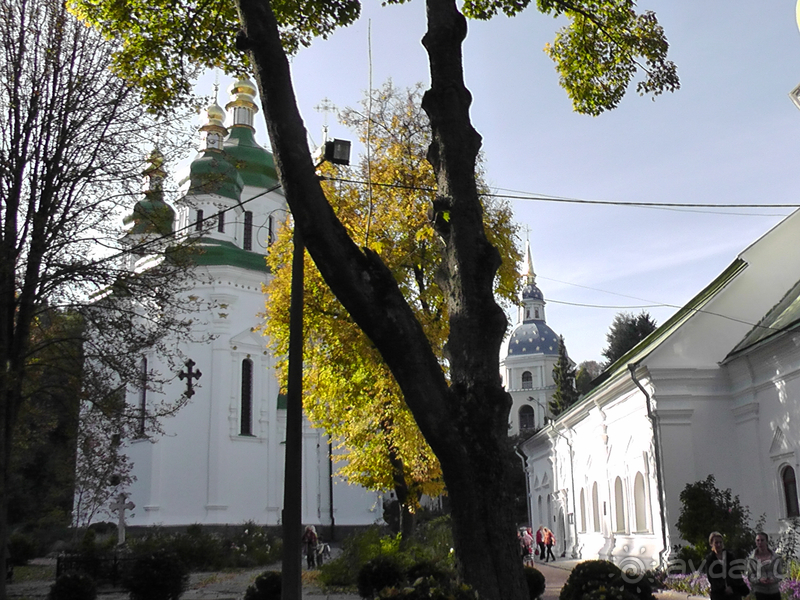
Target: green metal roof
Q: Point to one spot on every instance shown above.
(214, 173)
(151, 215)
(255, 164)
(780, 317)
(217, 252)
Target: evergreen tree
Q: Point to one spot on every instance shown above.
(564, 376)
(625, 332)
(587, 371)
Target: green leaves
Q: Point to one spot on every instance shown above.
(165, 44)
(604, 46)
(598, 54)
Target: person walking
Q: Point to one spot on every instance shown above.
(724, 571)
(765, 569)
(310, 541)
(549, 542)
(527, 547)
(540, 541)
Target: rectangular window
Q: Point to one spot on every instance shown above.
(247, 242)
(198, 224)
(246, 419)
(221, 222)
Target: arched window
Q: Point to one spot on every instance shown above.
(619, 506)
(246, 420)
(247, 239)
(583, 511)
(527, 380)
(527, 419)
(639, 504)
(790, 491)
(541, 516)
(595, 508)
(142, 416)
(198, 224)
(549, 510)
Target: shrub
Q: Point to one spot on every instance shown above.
(536, 582)
(267, 586)
(337, 573)
(705, 508)
(158, 576)
(378, 573)
(593, 575)
(427, 588)
(429, 568)
(22, 548)
(612, 593)
(73, 586)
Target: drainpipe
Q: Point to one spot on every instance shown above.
(572, 479)
(657, 456)
(527, 482)
(330, 490)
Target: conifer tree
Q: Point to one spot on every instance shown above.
(564, 376)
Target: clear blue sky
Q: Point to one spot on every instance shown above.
(731, 135)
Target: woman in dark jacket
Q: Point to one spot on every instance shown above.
(724, 571)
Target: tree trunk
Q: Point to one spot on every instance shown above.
(466, 420)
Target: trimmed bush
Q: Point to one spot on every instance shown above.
(536, 582)
(378, 573)
(593, 575)
(158, 576)
(267, 586)
(73, 586)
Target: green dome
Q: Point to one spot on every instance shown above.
(150, 216)
(213, 173)
(254, 163)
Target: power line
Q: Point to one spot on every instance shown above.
(563, 199)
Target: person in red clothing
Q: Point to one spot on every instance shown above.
(540, 541)
(549, 542)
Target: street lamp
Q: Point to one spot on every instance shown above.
(337, 152)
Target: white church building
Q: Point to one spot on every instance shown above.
(529, 355)
(220, 460)
(714, 390)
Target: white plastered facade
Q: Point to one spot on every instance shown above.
(714, 390)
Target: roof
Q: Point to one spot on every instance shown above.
(217, 252)
(784, 315)
(533, 337)
(213, 173)
(649, 344)
(255, 164)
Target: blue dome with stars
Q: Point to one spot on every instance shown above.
(531, 291)
(533, 337)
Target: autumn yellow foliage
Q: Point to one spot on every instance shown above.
(348, 390)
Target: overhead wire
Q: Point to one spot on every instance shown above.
(652, 304)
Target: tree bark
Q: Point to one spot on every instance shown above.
(465, 421)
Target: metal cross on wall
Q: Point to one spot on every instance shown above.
(188, 375)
